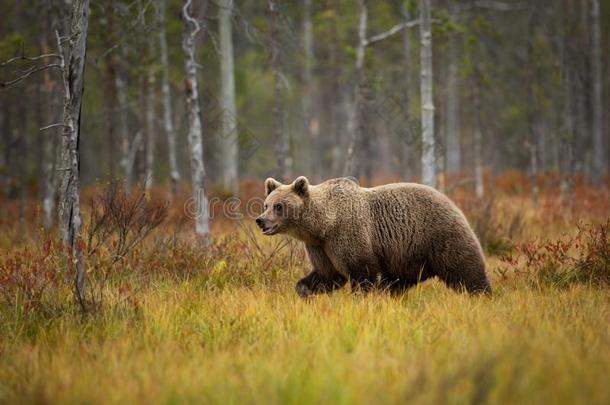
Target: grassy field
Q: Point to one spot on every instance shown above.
(177, 323)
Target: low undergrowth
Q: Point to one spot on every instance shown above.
(179, 321)
(582, 257)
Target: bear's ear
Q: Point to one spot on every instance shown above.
(301, 186)
(270, 185)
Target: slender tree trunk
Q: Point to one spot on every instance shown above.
(599, 165)
(280, 135)
(150, 130)
(110, 90)
(21, 135)
(168, 123)
(427, 109)
(229, 141)
(567, 134)
(69, 201)
(194, 129)
(479, 185)
(7, 143)
(331, 140)
(39, 139)
(123, 127)
(406, 95)
(453, 117)
(353, 164)
(532, 142)
(50, 139)
(568, 117)
(110, 95)
(139, 162)
(309, 87)
(582, 93)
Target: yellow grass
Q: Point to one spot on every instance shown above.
(221, 337)
(188, 343)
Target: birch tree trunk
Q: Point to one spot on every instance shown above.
(7, 141)
(599, 155)
(110, 95)
(69, 200)
(453, 124)
(123, 127)
(331, 138)
(566, 166)
(166, 97)
(353, 163)
(150, 129)
(21, 135)
(193, 113)
(478, 136)
(228, 141)
(110, 92)
(280, 135)
(406, 94)
(427, 108)
(309, 88)
(532, 142)
(51, 138)
(49, 159)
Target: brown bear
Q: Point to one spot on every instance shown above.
(391, 236)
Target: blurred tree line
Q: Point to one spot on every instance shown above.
(317, 87)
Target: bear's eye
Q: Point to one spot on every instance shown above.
(265, 207)
(277, 207)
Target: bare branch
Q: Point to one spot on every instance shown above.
(29, 58)
(53, 126)
(392, 31)
(27, 73)
(24, 74)
(190, 19)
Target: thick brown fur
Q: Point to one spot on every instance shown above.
(391, 236)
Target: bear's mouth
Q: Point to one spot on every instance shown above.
(270, 230)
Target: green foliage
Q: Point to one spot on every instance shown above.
(12, 45)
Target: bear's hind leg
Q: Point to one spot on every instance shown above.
(465, 271)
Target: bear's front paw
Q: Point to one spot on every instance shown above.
(303, 290)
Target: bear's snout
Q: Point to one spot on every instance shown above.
(260, 222)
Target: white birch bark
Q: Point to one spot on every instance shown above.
(69, 201)
(123, 128)
(406, 96)
(309, 87)
(427, 108)
(150, 129)
(353, 164)
(478, 136)
(566, 166)
(453, 124)
(193, 112)
(166, 98)
(532, 113)
(599, 155)
(280, 135)
(228, 141)
(50, 141)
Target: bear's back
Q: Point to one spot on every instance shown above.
(409, 220)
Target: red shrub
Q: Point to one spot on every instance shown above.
(27, 274)
(583, 257)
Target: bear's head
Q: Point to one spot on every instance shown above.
(284, 206)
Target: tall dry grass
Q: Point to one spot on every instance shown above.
(179, 322)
